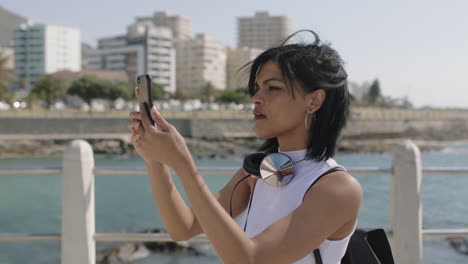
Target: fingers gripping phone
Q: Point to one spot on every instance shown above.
(145, 95)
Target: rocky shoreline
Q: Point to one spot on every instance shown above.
(200, 148)
(131, 252)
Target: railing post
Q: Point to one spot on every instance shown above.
(78, 220)
(406, 205)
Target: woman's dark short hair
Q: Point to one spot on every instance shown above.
(313, 66)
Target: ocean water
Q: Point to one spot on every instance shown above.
(32, 204)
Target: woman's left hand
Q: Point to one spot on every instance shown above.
(164, 145)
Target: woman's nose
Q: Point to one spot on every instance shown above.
(257, 98)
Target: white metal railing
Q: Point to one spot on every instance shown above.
(78, 243)
(162, 237)
(220, 171)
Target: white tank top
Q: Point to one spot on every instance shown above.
(269, 204)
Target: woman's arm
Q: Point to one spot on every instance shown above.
(177, 217)
(229, 241)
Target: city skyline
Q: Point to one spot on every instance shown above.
(415, 49)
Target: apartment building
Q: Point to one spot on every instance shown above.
(263, 30)
(236, 59)
(44, 48)
(114, 53)
(181, 26)
(200, 61)
(144, 49)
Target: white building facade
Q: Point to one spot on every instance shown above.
(263, 30)
(130, 59)
(160, 56)
(200, 61)
(236, 76)
(145, 49)
(43, 49)
(181, 26)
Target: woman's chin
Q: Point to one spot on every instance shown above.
(263, 134)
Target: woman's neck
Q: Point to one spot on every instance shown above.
(293, 142)
(294, 139)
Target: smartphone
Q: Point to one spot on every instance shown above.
(145, 96)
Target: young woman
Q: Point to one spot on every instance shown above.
(301, 104)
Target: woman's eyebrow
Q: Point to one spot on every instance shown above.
(273, 79)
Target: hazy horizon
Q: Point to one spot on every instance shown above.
(417, 49)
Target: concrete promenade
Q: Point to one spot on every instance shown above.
(364, 123)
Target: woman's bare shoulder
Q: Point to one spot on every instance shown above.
(339, 188)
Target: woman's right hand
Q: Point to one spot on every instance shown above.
(136, 128)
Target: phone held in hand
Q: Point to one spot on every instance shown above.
(145, 94)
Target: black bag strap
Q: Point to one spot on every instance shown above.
(250, 205)
(317, 256)
(334, 169)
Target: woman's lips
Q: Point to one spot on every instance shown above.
(258, 114)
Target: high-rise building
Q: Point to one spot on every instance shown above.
(236, 59)
(117, 57)
(145, 49)
(160, 53)
(181, 27)
(263, 30)
(200, 61)
(8, 23)
(43, 48)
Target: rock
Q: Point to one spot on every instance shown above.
(383, 145)
(178, 247)
(125, 253)
(200, 148)
(459, 244)
(29, 148)
(216, 149)
(132, 252)
(202, 248)
(113, 147)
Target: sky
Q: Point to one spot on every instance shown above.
(416, 49)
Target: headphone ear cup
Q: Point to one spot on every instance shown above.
(252, 163)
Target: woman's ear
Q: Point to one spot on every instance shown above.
(316, 99)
